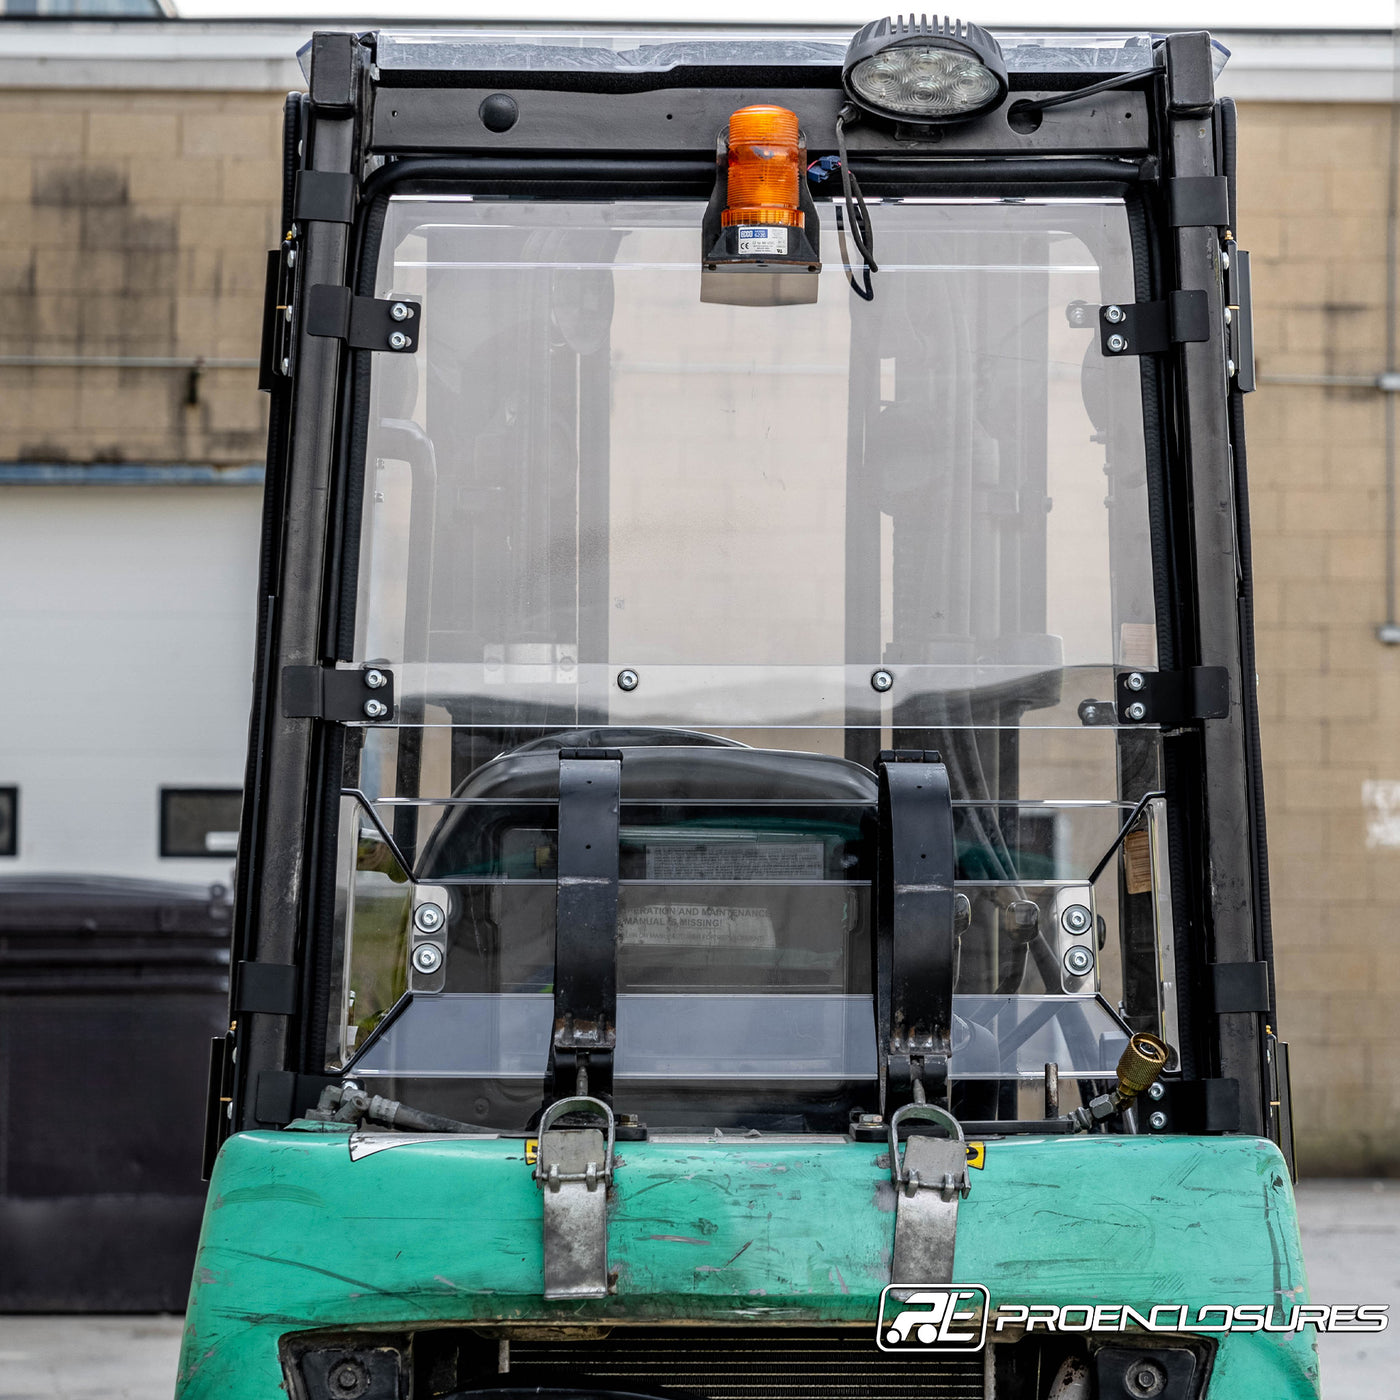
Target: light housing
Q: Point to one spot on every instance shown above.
(924, 70)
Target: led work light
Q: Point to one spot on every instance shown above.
(924, 70)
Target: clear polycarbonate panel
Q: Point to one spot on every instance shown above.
(592, 499)
(702, 1038)
(560, 49)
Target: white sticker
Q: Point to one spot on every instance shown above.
(763, 239)
(696, 926)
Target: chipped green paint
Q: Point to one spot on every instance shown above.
(298, 1235)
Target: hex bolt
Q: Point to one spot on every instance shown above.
(428, 918)
(1135, 681)
(1078, 961)
(399, 311)
(1113, 314)
(374, 679)
(1158, 1120)
(1136, 711)
(1155, 1092)
(427, 958)
(881, 681)
(628, 680)
(398, 341)
(375, 709)
(1076, 919)
(1117, 344)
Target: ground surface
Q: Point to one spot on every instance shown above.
(1351, 1240)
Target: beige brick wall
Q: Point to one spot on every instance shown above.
(1312, 212)
(134, 224)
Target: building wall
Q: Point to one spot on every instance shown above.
(134, 224)
(1312, 210)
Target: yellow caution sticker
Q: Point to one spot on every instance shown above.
(532, 1151)
(977, 1154)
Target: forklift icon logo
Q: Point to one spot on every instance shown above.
(933, 1317)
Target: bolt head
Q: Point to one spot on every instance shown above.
(1158, 1120)
(286, 364)
(1230, 368)
(1225, 261)
(375, 709)
(1135, 681)
(1113, 314)
(427, 958)
(287, 314)
(1136, 711)
(1229, 316)
(1076, 919)
(628, 680)
(399, 311)
(398, 341)
(374, 679)
(1155, 1092)
(1117, 344)
(1079, 961)
(1145, 1379)
(881, 681)
(428, 918)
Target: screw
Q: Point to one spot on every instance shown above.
(427, 957)
(1158, 1120)
(1076, 919)
(375, 709)
(1117, 344)
(286, 365)
(428, 917)
(1135, 681)
(1145, 1379)
(1230, 368)
(398, 341)
(1113, 314)
(881, 680)
(287, 314)
(1137, 710)
(1229, 316)
(291, 257)
(1225, 261)
(1078, 961)
(1155, 1092)
(628, 680)
(399, 311)
(374, 679)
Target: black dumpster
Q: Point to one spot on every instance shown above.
(110, 991)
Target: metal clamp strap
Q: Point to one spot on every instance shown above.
(929, 1180)
(585, 934)
(914, 925)
(549, 1174)
(910, 1181)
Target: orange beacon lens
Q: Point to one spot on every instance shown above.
(765, 165)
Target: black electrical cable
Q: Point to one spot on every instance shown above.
(861, 232)
(1043, 104)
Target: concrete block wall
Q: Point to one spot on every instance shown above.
(1312, 210)
(134, 224)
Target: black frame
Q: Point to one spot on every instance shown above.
(659, 136)
(166, 820)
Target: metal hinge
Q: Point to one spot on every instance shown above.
(574, 1169)
(1239, 316)
(1170, 698)
(347, 697)
(1147, 327)
(267, 988)
(1198, 201)
(324, 196)
(363, 323)
(929, 1181)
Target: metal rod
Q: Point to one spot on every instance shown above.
(1122, 832)
(122, 362)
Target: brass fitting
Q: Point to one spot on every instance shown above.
(1144, 1059)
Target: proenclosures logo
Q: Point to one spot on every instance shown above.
(955, 1317)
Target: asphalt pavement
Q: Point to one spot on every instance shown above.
(1351, 1241)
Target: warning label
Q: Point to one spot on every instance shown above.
(695, 926)
(759, 240)
(735, 860)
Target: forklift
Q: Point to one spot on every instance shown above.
(752, 879)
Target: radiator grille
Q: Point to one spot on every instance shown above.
(739, 1363)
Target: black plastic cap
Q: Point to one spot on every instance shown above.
(905, 30)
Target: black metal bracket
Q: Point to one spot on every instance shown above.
(1192, 1106)
(266, 988)
(1148, 327)
(346, 697)
(1170, 698)
(1239, 298)
(1239, 987)
(914, 928)
(282, 1095)
(1198, 201)
(390, 324)
(325, 196)
(585, 931)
